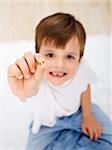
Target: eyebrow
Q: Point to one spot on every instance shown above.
(73, 53)
(48, 50)
(51, 50)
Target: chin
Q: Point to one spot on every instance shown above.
(56, 79)
(57, 83)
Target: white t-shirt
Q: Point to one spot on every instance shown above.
(52, 101)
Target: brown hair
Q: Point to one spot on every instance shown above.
(58, 29)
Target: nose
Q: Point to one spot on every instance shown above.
(60, 62)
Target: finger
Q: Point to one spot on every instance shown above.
(40, 68)
(91, 134)
(96, 134)
(39, 58)
(85, 130)
(29, 57)
(21, 63)
(14, 71)
(39, 72)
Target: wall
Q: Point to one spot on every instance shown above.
(19, 18)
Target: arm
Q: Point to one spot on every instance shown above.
(90, 125)
(86, 102)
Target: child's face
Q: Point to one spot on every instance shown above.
(61, 64)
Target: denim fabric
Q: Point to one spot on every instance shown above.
(68, 135)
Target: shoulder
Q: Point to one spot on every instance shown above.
(85, 75)
(86, 71)
(84, 64)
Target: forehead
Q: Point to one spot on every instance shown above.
(73, 44)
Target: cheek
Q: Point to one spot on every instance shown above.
(48, 66)
(48, 63)
(73, 68)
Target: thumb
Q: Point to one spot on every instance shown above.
(40, 67)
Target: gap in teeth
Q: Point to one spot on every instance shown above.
(57, 74)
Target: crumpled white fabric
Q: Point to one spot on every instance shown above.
(52, 101)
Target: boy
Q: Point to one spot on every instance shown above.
(59, 83)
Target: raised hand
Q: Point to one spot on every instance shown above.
(26, 74)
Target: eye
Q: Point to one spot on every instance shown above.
(70, 57)
(50, 55)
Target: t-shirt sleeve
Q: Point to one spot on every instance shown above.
(91, 76)
(87, 74)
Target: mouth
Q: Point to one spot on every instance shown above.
(58, 74)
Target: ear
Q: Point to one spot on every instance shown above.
(36, 48)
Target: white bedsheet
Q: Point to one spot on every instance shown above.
(14, 118)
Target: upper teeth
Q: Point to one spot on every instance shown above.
(57, 74)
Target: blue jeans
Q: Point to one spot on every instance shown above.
(68, 135)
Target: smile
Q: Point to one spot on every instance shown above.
(58, 74)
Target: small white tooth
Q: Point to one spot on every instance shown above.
(57, 74)
(60, 74)
(54, 73)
